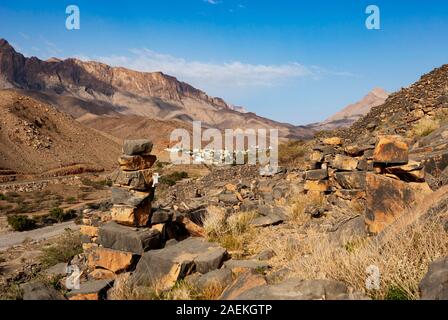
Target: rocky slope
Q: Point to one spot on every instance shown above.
(353, 112)
(427, 98)
(79, 88)
(36, 138)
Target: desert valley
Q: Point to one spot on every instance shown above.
(358, 208)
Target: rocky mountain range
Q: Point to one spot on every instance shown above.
(92, 89)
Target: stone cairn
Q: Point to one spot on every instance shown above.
(134, 239)
(114, 243)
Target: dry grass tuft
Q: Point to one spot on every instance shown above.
(292, 152)
(424, 127)
(124, 289)
(231, 232)
(298, 204)
(402, 256)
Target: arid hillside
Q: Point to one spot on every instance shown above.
(36, 138)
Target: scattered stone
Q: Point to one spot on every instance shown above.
(89, 231)
(229, 198)
(241, 266)
(351, 180)
(297, 289)
(434, 285)
(265, 255)
(319, 174)
(102, 274)
(57, 270)
(161, 216)
(411, 172)
(268, 220)
(344, 163)
(243, 283)
(40, 291)
(334, 141)
(91, 290)
(214, 279)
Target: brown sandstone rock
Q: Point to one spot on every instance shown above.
(102, 274)
(132, 216)
(135, 163)
(391, 150)
(334, 141)
(320, 186)
(387, 199)
(344, 163)
(243, 283)
(113, 260)
(89, 231)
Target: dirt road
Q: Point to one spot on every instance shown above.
(15, 238)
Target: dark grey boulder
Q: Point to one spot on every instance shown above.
(98, 287)
(167, 266)
(40, 291)
(161, 216)
(434, 285)
(265, 255)
(228, 198)
(296, 289)
(319, 174)
(118, 237)
(211, 260)
(137, 147)
(216, 278)
(351, 180)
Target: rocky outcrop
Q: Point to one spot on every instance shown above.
(251, 287)
(434, 285)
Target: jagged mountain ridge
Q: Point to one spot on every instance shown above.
(96, 89)
(353, 112)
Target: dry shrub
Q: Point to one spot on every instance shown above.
(402, 256)
(292, 152)
(299, 203)
(125, 289)
(231, 232)
(425, 127)
(63, 250)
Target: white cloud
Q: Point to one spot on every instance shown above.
(202, 74)
(213, 2)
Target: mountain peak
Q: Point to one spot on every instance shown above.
(5, 46)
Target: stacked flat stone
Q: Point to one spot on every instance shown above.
(115, 243)
(132, 191)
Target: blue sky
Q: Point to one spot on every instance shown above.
(292, 61)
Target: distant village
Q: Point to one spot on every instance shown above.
(223, 156)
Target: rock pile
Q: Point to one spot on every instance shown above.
(115, 243)
(378, 175)
(426, 98)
